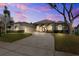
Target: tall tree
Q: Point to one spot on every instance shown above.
(66, 12)
(6, 16)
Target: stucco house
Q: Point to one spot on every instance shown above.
(51, 26)
(23, 26)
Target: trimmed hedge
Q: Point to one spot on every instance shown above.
(19, 31)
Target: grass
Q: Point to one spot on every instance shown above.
(11, 37)
(67, 43)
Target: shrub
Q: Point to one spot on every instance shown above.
(19, 31)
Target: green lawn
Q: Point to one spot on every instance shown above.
(11, 37)
(67, 43)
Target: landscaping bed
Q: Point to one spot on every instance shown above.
(11, 37)
(67, 43)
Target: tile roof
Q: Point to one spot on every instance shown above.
(24, 24)
(44, 22)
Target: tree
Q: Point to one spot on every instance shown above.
(66, 12)
(7, 17)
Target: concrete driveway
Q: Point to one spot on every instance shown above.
(39, 44)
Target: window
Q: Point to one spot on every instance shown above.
(59, 27)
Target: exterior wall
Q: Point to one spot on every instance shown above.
(40, 29)
(37, 28)
(28, 29)
(59, 27)
(50, 27)
(16, 27)
(44, 28)
(25, 28)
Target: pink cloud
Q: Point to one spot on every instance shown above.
(20, 16)
(75, 11)
(3, 4)
(54, 17)
(22, 7)
(49, 16)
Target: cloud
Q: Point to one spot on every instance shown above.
(3, 4)
(20, 16)
(21, 7)
(43, 8)
(54, 17)
(75, 11)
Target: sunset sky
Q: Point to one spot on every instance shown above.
(33, 12)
